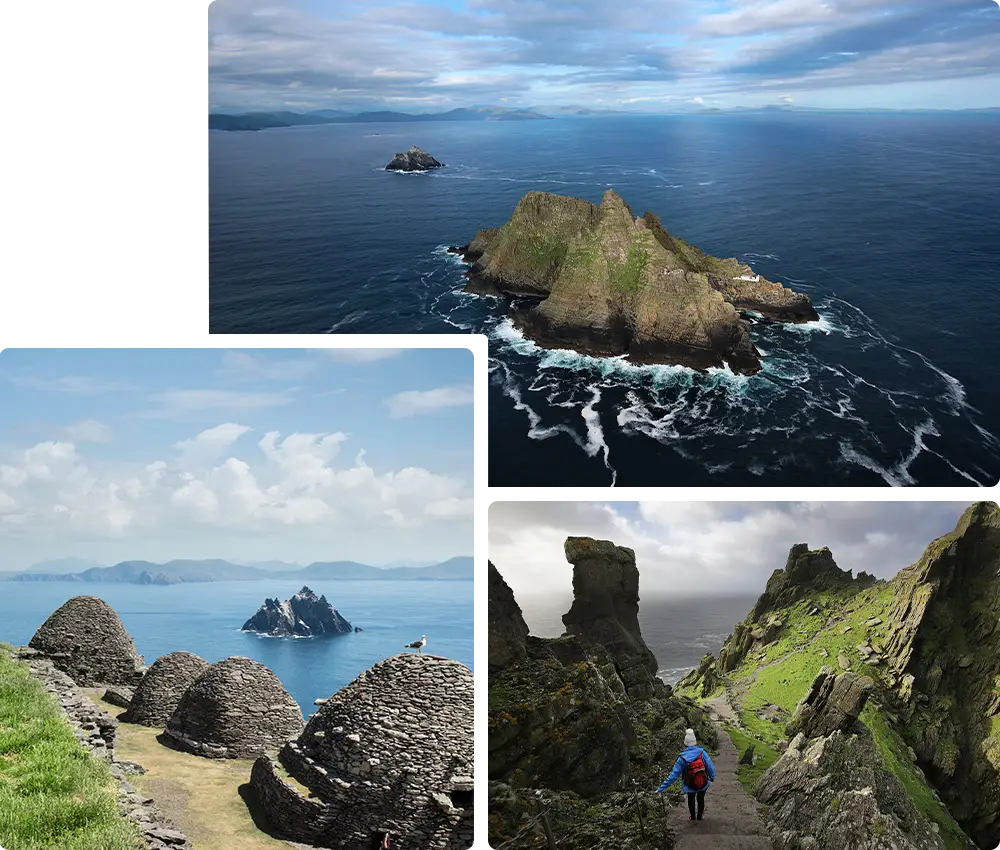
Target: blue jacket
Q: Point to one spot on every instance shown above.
(687, 756)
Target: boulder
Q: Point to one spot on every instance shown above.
(236, 709)
(161, 689)
(304, 615)
(507, 632)
(833, 702)
(415, 159)
(86, 640)
(835, 791)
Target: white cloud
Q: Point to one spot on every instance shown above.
(180, 403)
(241, 489)
(361, 355)
(89, 431)
(414, 402)
(244, 366)
(708, 548)
(210, 444)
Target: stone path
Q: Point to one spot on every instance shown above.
(731, 820)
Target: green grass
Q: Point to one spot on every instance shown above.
(53, 794)
(894, 754)
(625, 277)
(748, 774)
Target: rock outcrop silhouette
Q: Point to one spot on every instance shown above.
(415, 159)
(85, 639)
(508, 633)
(304, 615)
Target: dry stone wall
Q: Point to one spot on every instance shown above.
(389, 754)
(161, 689)
(237, 709)
(86, 640)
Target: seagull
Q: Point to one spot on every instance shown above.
(418, 645)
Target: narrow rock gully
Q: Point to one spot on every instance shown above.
(731, 820)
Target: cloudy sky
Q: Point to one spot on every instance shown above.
(245, 455)
(644, 54)
(688, 549)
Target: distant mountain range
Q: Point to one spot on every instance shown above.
(182, 571)
(268, 120)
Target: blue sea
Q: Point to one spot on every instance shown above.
(889, 222)
(205, 619)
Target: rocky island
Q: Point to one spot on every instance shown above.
(415, 159)
(304, 615)
(609, 283)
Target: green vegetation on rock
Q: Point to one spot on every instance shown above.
(626, 277)
(765, 756)
(53, 794)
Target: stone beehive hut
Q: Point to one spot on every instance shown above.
(236, 709)
(161, 689)
(87, 641)
(391, 753)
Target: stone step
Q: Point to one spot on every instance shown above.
(690, 841)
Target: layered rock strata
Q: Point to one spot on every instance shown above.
(162, 688)
(507, 631)
(831, 788)
(86, 640)
(304, 615)
(615, 284)
(388, 757)
(236, 709)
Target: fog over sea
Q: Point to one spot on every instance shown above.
(889, 222)
(205, 619)
(678, 631)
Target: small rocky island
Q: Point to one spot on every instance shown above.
(609, 283)
(415, 159)
(304, 615)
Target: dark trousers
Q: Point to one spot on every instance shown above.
(701, 802)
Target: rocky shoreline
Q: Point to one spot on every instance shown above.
(609, 284)
(96, 731)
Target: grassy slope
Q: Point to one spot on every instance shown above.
(53, 794)
(796, 657)
(200, 795)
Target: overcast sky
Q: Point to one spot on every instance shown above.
(688, 549)
(643, 54)
(245, 455)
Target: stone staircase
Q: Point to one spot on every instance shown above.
(731, 820)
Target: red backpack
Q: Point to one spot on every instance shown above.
(696, 775)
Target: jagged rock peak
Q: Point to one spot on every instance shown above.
(507, 630)
(605, 610)
(805, 571)
(305, 614)
(415, 159)
(85, 639)
(832, 703)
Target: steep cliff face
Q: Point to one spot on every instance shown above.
(605, 610)
(943, 649)
(508, 633)
(303, 615)
(580, 715)
(616, 284)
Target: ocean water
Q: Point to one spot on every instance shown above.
(205, 619)
(678, 631)
(890, 222)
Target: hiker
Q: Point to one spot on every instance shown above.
(695, 766)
